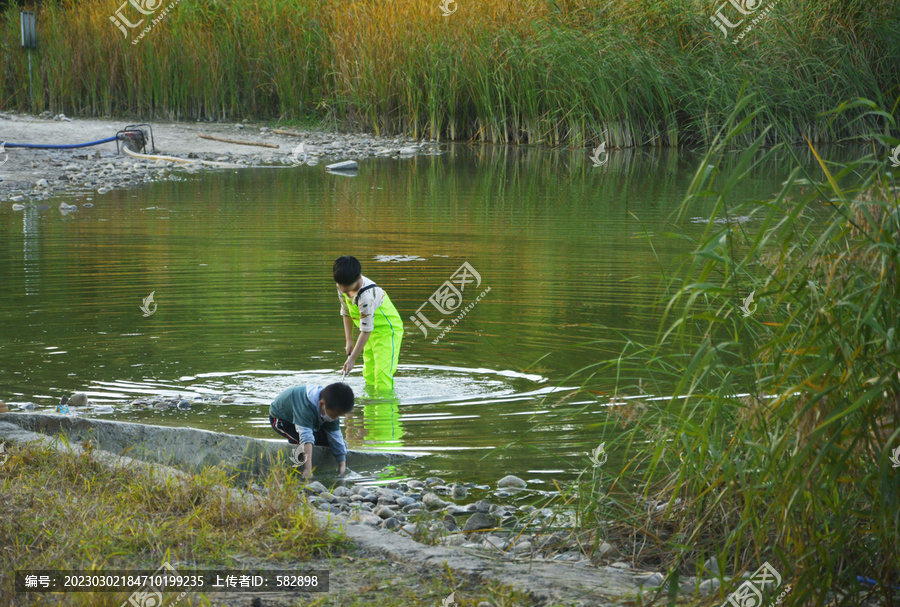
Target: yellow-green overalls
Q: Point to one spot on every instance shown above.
(382, 350)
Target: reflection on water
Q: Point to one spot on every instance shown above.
(240, 266)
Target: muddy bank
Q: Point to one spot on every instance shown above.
(33, 175)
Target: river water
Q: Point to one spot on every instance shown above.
(239, 264)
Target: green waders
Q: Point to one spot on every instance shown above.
(383, 348)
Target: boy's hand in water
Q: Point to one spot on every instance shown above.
(348, 366)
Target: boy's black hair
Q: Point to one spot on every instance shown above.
(338, 397)
(346, 270)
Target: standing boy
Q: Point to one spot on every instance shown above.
(309, 415)
(366, 305)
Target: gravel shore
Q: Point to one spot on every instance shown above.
(30, 176)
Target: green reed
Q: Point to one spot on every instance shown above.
(775, 442)
(575, 72)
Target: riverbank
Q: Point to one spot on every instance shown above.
(33, 175)
(109, 512)
(574, 73)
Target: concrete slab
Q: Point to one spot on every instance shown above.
(190, 449)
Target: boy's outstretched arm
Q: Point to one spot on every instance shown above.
(307, 466)
(360, 344)
(348, 335)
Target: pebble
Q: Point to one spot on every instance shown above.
(385, 512)
(480, 520)
(79, 399)
(184, 405)
(415, 484)
(512, 481)
(652, 579)
(313, 487)
(709, 586)
(433, 502)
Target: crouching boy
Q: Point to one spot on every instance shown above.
(309, 415)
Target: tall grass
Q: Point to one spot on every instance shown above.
(775, 443)
(573, 72)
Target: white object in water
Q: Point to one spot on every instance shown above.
(104, 409)
(346, 165)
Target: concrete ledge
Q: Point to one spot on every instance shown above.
(190, 449)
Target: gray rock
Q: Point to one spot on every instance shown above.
(184, 405)
(433, 502)
(415, 484)
(79, 399)
(712, 565)
(341, 492)
(409, 528)
(88, 205)
(313, 487)
(367, 518)
(458, 491)
(709, 586)
(604, 549)
(650, 579)
(326, 496)
(405, 501)
(386, 501)
(41, 183)
(385, 512)
(457, 510)
(480, 520)
(512, 481)
(16, 198)
(457, 539)
(393, 485)
(391, 523)
(434, 480)
(410, 507)
(482, 506)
